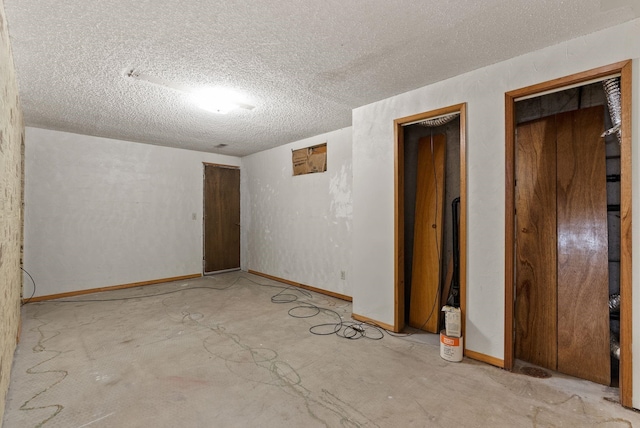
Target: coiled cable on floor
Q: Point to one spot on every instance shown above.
(345, 329)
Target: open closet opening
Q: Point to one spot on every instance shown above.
(430, 217)
(568, 217)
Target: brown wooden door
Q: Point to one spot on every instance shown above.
(427, 246)
(562, 314)
(221, 218)
(536, 249)
(583, 249)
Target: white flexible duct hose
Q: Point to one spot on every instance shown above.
(612, 92)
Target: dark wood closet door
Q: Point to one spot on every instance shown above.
(562, 284)
(536, 291)
(583, 252)
(221, 218)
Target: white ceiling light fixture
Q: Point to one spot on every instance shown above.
(217, 100)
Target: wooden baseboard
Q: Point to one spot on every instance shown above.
(110, 288)
(371, 321)
(484, 358)
(306, 287)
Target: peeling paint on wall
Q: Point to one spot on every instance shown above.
(299, 228)
(340, 193)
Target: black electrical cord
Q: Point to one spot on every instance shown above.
(346, 329)
(33, 293)
(283, 297)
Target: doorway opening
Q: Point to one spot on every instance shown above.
(568, 227)
(430, 208)
(221, 219)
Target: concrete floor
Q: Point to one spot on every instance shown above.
(226, 356)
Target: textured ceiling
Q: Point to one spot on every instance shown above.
(303, 65)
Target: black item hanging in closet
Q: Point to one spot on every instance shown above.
(454, 294)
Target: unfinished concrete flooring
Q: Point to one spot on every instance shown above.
(216, 352)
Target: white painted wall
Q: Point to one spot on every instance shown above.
(102, 212)
(483, 90)
(299, 228)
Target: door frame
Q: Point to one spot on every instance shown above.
(204, 196)
(399, 260)
(623, 70)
